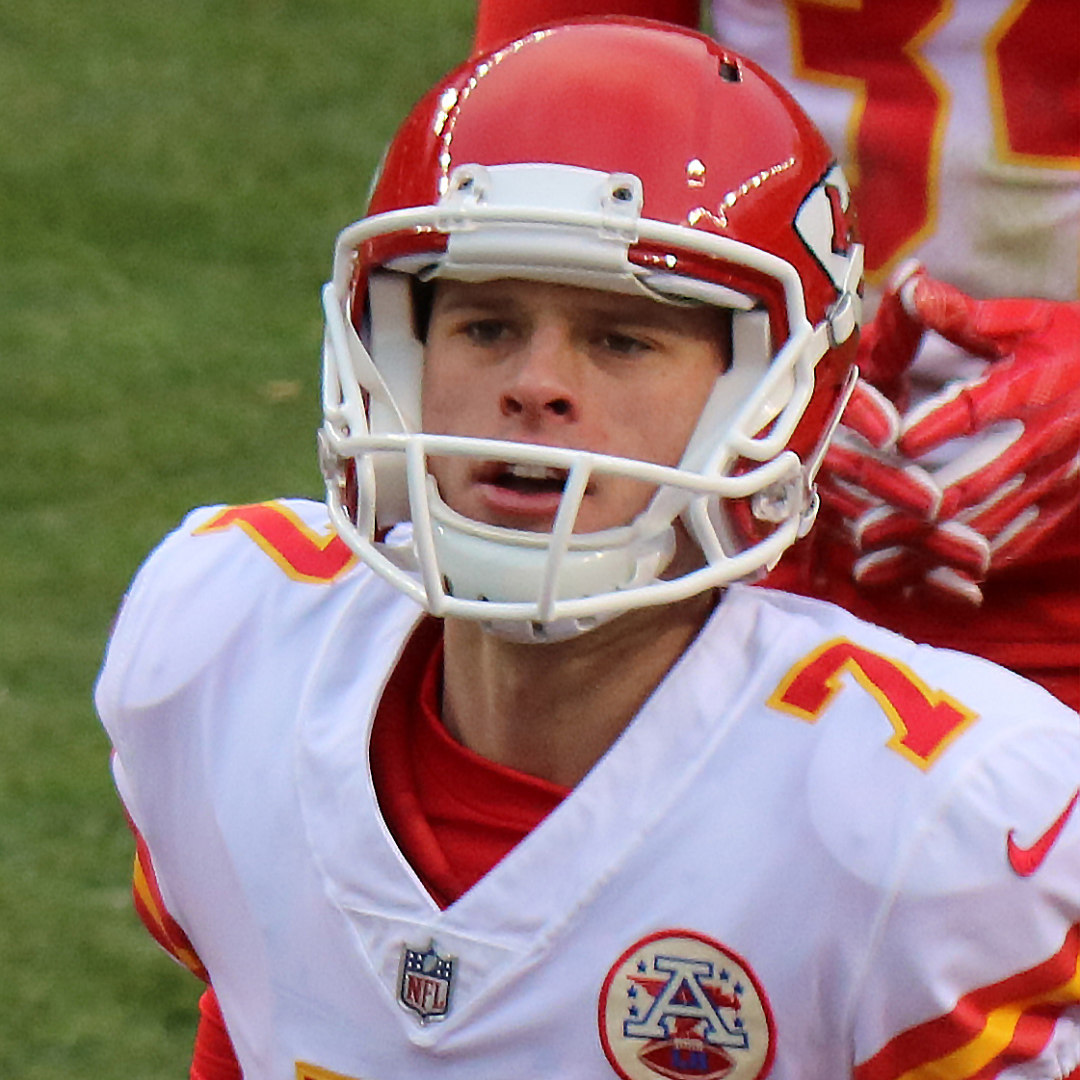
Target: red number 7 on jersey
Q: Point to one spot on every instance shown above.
(924, 721)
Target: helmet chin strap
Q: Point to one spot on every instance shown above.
(489, 563)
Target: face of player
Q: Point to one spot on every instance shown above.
(563, 366)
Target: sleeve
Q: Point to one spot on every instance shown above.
(499, 21)
(214, 1057)
(975, 972)
(152, 910)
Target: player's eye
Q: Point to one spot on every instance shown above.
(486, 331)
(624, 344)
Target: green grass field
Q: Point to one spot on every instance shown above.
(172, 176)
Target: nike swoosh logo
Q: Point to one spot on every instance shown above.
(1026, 860)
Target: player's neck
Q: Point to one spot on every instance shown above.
(553, 710)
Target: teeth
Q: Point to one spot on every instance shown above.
(535, 472)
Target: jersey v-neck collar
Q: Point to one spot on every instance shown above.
(453, 813)
(514, 912)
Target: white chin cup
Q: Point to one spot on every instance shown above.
(489, 563)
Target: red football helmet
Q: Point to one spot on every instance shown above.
(616, 154)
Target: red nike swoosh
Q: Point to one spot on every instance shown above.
(1025, 861)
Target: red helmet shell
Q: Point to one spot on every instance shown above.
(717, 143)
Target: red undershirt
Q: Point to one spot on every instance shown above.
(453, 813)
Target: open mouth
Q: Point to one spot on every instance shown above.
(528, 479)
(519, 494)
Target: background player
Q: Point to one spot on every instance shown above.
(571, 817)
(960, 124)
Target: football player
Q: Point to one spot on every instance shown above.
(493, 766)
(951, 494)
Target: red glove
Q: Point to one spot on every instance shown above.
(863, 476)
(1001, 490)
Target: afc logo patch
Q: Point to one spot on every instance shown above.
(679, 1005)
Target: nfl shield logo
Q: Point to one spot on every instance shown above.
(426, 981)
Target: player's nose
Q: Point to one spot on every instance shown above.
(542, 379)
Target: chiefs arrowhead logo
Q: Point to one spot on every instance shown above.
(823, 225)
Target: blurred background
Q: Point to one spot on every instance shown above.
(172, 177)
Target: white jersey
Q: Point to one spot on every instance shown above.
(956, 121)
(818, 851)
